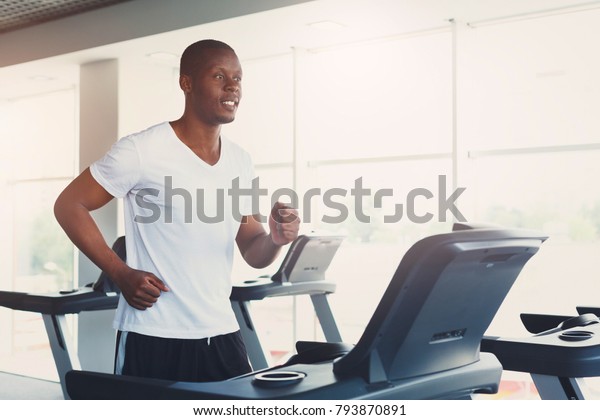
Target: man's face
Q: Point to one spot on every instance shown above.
(215, 89)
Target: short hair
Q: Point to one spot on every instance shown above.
(193, 54)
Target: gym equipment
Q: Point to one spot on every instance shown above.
(100, 295)
(562, 351)
(302, 272)
(422, 342)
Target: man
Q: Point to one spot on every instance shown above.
(174, 319)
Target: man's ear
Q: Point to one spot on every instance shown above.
(185, 83)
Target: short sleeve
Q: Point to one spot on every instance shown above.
(118, 171)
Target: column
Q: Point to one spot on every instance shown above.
(98, 131)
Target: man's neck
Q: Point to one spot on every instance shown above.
(203, 140)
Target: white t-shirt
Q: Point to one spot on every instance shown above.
(181, 220)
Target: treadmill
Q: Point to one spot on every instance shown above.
(303, 271)
(54, 307)
(562, 351)
(422, 342)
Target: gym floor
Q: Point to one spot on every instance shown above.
(17, 387)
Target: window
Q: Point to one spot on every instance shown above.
(533, 146)
(36, 255)
(532, 140)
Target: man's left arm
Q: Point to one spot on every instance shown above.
(260, 248)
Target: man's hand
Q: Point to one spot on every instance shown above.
(260, 249)
(284, 224)
(140, 288)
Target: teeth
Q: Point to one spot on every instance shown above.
(230, 103)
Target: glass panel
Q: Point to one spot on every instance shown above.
(38, 139)
(379, 99)
(43, 252)
(557, 194)
(43, 262)
(264, 122)
(41, 136)
(371, 252)
(531, 82)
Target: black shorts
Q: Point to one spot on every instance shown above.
(214, 359)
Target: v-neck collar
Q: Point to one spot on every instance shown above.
(193, 155)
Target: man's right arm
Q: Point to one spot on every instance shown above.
(72, 210)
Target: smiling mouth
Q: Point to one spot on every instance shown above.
(229, 103)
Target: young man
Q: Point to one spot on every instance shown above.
(174, 319)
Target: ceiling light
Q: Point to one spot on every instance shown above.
(327, 25)
(163, 56)
(40, 78)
